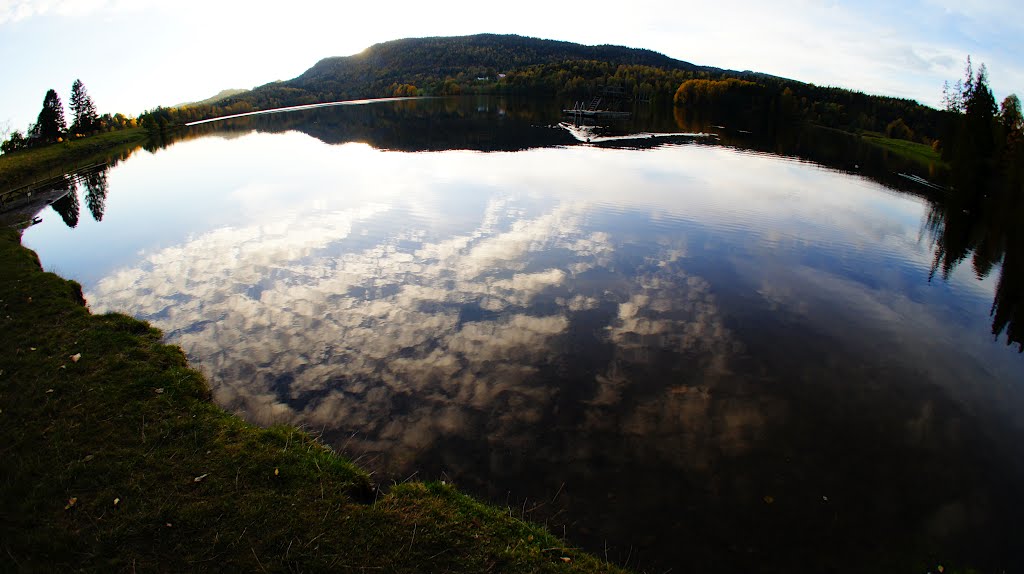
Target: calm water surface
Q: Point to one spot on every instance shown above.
(677, 353)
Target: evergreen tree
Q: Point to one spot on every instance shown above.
(50, 125)
(68, 206)
(971, 118)
(1010, 114)
(82, 109)
(980, 112)
(96, 193)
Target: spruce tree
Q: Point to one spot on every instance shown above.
(83, 110)
(50, 124)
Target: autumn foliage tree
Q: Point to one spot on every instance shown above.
(404, 91)
(698, 92)
(899, 129)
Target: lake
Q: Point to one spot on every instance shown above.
(679, 345)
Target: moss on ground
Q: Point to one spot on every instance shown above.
(114, 459)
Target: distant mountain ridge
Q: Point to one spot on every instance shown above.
(443, 56)
(512, 65)
(428, 63)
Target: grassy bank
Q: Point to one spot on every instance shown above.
(25, 166)
(914, 151)
(114, 459)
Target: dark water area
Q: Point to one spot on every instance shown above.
(679, 343)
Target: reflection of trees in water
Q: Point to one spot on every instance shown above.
(980, 219)
(68, 206)
(977, 219)
(827, 147)
(484, 124)
(96, 193)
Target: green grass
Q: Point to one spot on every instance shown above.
(118, 462)
(914, 151)
(24, 166)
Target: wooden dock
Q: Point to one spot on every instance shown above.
(614, 95)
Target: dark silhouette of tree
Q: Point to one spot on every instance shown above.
(83, 111)
(50, 125)
(67, 206)
(971, 134)
(1010, 114)
(979, 112)
(980, 217)
(96, 193)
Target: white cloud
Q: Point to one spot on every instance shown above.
(17, 10)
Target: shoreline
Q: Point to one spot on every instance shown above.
(21, 169)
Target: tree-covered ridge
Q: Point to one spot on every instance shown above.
(483, 63)
(482, 55)
(768, 101)
(517, 65)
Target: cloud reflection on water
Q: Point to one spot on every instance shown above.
(685, 313)
(293, 325)
(383, 317)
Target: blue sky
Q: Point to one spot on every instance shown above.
(137, 54)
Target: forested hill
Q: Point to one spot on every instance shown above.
(518, 65)
(482, 55)
(449, 65)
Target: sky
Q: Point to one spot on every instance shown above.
(134, 55)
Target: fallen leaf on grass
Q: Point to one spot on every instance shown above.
(566, 559)
(76, 357)
(48, 391)
(71, 502)
(277, 472)
(159, 391)
(200, 477)
(117, 501)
